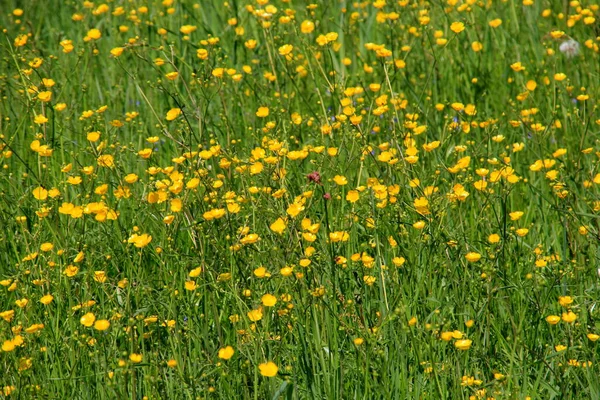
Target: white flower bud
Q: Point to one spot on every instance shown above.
(569, 48)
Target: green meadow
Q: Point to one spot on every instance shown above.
(278, 199)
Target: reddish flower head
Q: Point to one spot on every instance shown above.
(314, 177)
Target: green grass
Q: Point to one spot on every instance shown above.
(415, 301)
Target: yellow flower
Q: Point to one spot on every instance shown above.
(226, 353)
(145, 153)
(74, 180)
(36, 63)
(495, 23)
(117, 51)
(321, 40)
(106, 160)
(516, 215)
(40, 193)
(494, 238)
(261, 272)
(255, 315)
(398, 261)
(20, 40)
(140, 241)
(522, 232)
(8, 345)
(101, 325)
(422, 205)
(569, 317)
(94, 34)
(331, 36)
(352, 196)
(286, 49)
(93, 136)
(278, 226)
(593, 337)
(565, 301)
(7, 315)
(40, 119)
(202, 54)
(256, 168)
(214, 214)
(34, 328)
(45, 96)
(294, 209)
(340, 180)
(88, 319)
(268, 300)
(473, 256)
(560, 77)
(136, 358)
(187, 29)
(340, 236)
(369, 280)
(176, 205)
(173, 113)
(131, 178)
(262, 112)
(67, 46)
(195, 272)
(268, 369)
(464, 344)
(457, 27)
(47, 299)
(71, 271)
(553, 319)
(531, 85)
(17, 340)
(30, 257)
(250, 239)
(307, 26)
(517, 67)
